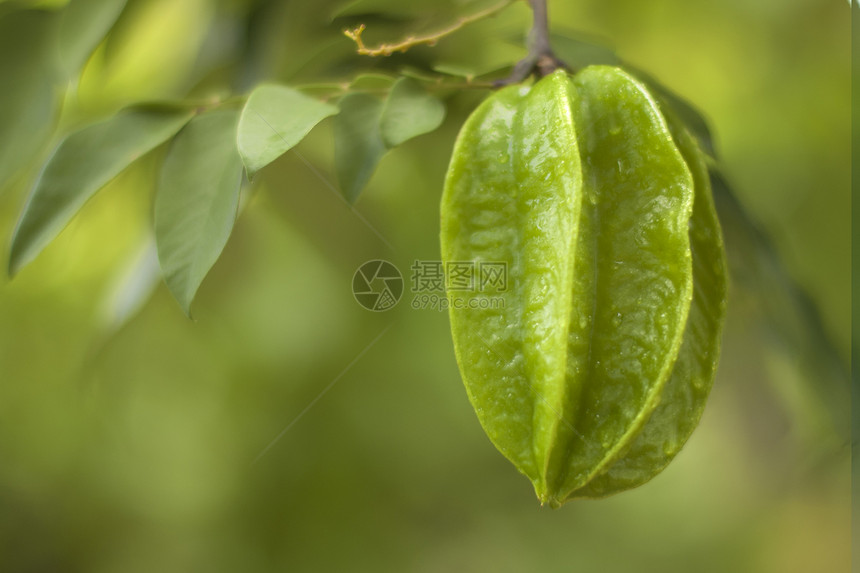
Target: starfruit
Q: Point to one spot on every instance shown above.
(590, 366)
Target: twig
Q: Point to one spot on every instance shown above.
(541, 60)
(429, 39)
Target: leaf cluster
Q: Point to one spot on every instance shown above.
(211, 148)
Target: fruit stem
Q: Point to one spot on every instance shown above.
(541, 60)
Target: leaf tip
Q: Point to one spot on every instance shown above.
(184, 300)
(18, 259)
(249, 170)
(351, 193)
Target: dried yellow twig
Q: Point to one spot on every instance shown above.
(430, 39)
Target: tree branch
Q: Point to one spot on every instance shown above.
(541, 60)
(431, 39)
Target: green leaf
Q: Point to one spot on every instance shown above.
(413, 9)
(456, 70)
(786, 312)
(579, 50)
(83, 163)
(372, 81)
(358, 143)
(27, 85)
(409, 112)
(84, 24)
(274, 120)
(197, 201)
(132, 287)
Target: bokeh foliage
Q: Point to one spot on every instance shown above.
(130, 436)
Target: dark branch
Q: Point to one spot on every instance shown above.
(541, 60)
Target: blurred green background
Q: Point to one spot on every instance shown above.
(129, 434)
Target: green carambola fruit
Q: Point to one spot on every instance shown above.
(590, 367)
